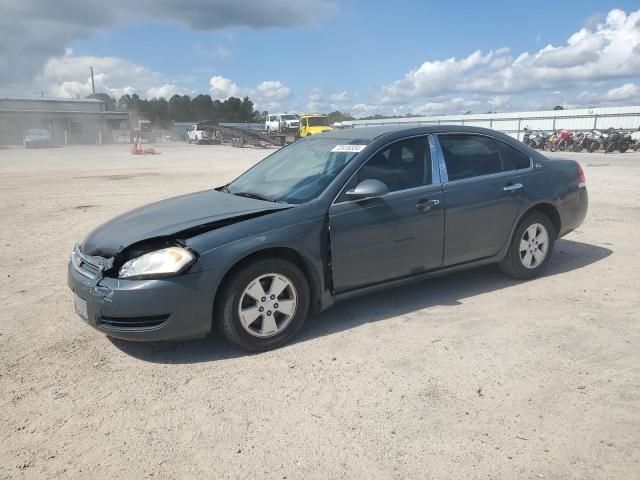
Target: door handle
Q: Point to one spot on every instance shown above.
(426, 205)
(513, 187)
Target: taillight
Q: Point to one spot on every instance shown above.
(582, 181)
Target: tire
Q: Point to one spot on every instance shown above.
(610, 148)
(624, 149)
(513, 263)
(577, 147)
(594, 146)
(259, 276)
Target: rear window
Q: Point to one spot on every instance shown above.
(514, 159)
(468, 156)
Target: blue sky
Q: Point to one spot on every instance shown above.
(343, 54)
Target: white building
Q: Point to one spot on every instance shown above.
(514, 123)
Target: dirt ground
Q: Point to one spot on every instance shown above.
(473, 375)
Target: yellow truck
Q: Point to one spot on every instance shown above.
(312, 124)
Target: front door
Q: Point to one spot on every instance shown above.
(396, 235)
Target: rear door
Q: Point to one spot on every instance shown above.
(396, 235)
(482, 197)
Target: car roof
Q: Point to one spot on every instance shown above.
(372, 133)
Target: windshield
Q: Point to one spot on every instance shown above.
(289, 117)
(318, 121)
(37, 132)
(299, 172)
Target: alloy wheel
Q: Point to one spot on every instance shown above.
(534, 245)
(267, 305)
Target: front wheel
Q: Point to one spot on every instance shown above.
(263, 305)
(593, 147)
(530, 248)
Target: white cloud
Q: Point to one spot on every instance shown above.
(68, 77)
(223, 88)
(272, 91)
(627, 91)
(610, 50)
(167, 91)
(269, 94)
(32, 31)
(340, 97)
(319, 100)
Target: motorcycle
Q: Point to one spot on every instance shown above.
(635, 140)
(537, 139)
(582, 141)
(597, 140)
(617, 140)
(559, 140)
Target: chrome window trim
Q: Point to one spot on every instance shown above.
(434, 143)
(391, 194)
(489, 175)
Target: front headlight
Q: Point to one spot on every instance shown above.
(167, 261)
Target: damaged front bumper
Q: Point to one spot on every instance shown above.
(172, 308)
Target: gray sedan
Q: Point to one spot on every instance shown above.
(37, 137)
(326, 218)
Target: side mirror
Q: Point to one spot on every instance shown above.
(368, 189)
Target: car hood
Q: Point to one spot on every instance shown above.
(34, 138)
(171, 217)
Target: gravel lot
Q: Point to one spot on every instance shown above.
(468, 376)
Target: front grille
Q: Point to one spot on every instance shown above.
(122, 323)
(87, 265)
(80, 306)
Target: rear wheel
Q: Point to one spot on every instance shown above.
(530, 248)
(263, 305)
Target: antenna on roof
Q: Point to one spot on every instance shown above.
(42, 93)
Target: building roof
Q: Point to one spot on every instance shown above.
(85, 106)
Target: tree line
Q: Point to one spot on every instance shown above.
(184, 108)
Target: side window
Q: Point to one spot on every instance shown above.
(403, 165)
(514, 159)
(469, 156)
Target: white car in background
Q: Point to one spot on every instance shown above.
(280, 122)
(198, 135)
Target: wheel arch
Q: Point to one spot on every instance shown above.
(550, 211)
(283, 253)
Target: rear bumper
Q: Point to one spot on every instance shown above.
(173, 308)
(573, 213)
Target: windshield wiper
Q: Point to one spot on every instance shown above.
(257, 196)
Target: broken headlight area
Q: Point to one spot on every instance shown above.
(152, 259)
(159, 263)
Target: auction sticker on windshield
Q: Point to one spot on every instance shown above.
(348, 148)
